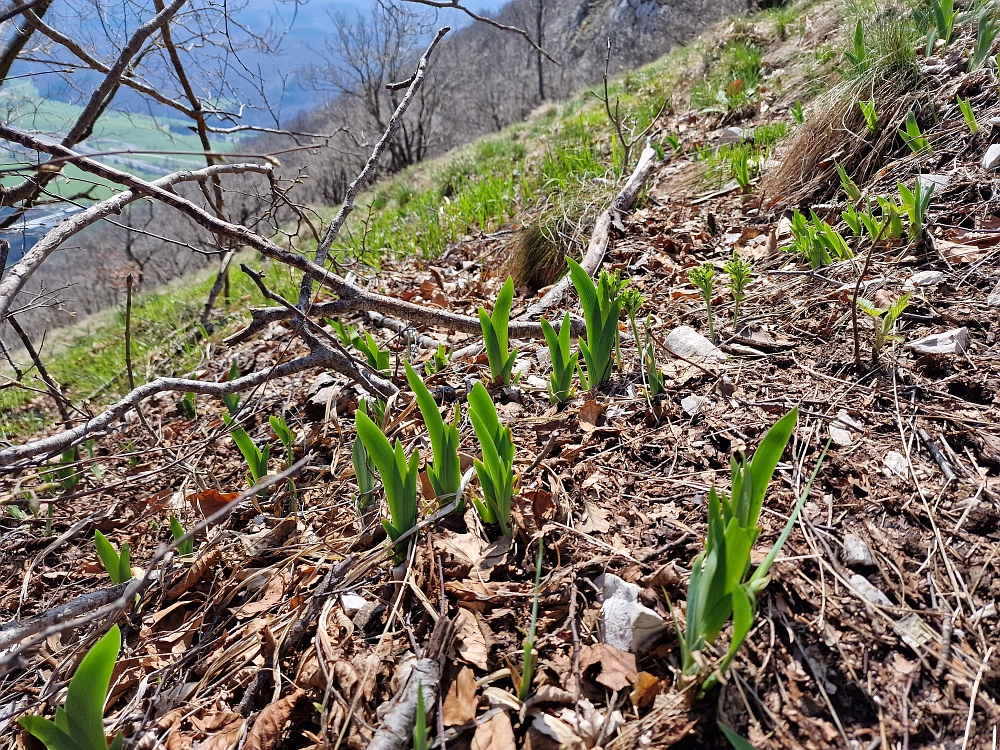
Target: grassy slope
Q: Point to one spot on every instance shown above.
(562, 161)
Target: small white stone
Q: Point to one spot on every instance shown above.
(848, 421)
(923, 279)
(895, 462)
(955, 341)
(534, 381)
(733, 135)
(991, 160)
(686, 342)
(840, 435)
(625, 623)
(352, 604)
(868, 591)
(994, 299)
(692, 405)
(856, 552)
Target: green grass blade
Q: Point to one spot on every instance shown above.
(501, 313)
(765, 459)
(109, 557)
(738, 742)
(49, 734)
(89, 689)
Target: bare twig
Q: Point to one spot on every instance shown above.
(51, 384)
(369, 169)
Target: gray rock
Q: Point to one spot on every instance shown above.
(939, 182)
(686, 342)
(840, 434)
(856, 553)
(923, 279)
(895, 463)
(735, 135)
(625, 623)
(991, 160)
(955, 341)
(994, 299)
(868, 591)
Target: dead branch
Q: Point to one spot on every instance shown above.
(602, 230)
(456, 5)
(54, 390)
(18, 630)
(22, 270)
(396, 730)
(352, 191)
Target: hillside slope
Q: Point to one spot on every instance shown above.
(291, 625)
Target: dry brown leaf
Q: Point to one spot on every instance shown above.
(272, 594)
(617, 667)
(461, 702)
(194, 574)
(222, 727)
(595, 520)
(590, 414)
(472, 645)
(647, 687)
(270, 725)
(211, 501)
(494, 734)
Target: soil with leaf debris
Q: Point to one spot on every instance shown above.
(289, 626)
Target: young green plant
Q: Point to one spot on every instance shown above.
(420, 729)
(399, 477)
(632, 300)
(968, 115)
(495, 334)
(601, 304)
(986, 34)
(798, 112)
(362, 467)
(885, 322)
(914, 203)
(119, 566)
(444, 472)
(496, 470)
(852, 190)
(563, 362)
(913, 137)
(79, 723)
(232, 400)
(738, 274)
(703, 277)
(721, 585)
(530, 659)
(255, 457)
(185, 548)
(870, 115)
(438, 362)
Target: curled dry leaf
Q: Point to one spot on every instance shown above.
(195, 573)
(270, 725)
(617, 667)
(473, 639)
(461, 701)
(496, 733)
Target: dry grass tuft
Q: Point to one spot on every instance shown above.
(538, 254)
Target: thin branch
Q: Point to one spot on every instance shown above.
(456, 5)
(51, 384)
(305, 292)
(7, 15)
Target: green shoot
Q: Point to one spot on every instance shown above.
(915, 205)
(362, 467)
(806, 243)
(601, 304)
(871, 116)
(119, 567)
(703, 277)
(852, 218)
(651, 370)
(255, 457)
(968, 115)
(736, 740)
(674, 142)
(858, 54)
(185, 548)
(79, 723)
(738, 272)
(721, 585)
(832, 240)
(96, 469)
(798, 112)
(912, 136)
(739, 162)
(398, 476)
(852, 190)
(420, 728)
(378, 359)
(890, 213)
(986, 34)
(495, 334)
(438, 361)
(188, 406)
(943, 15)
(285, 435)
(885, 322)
(563, 363)
(530, 656)
(64, 475)
(232, 400)
(496, 470)
(444, 472)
